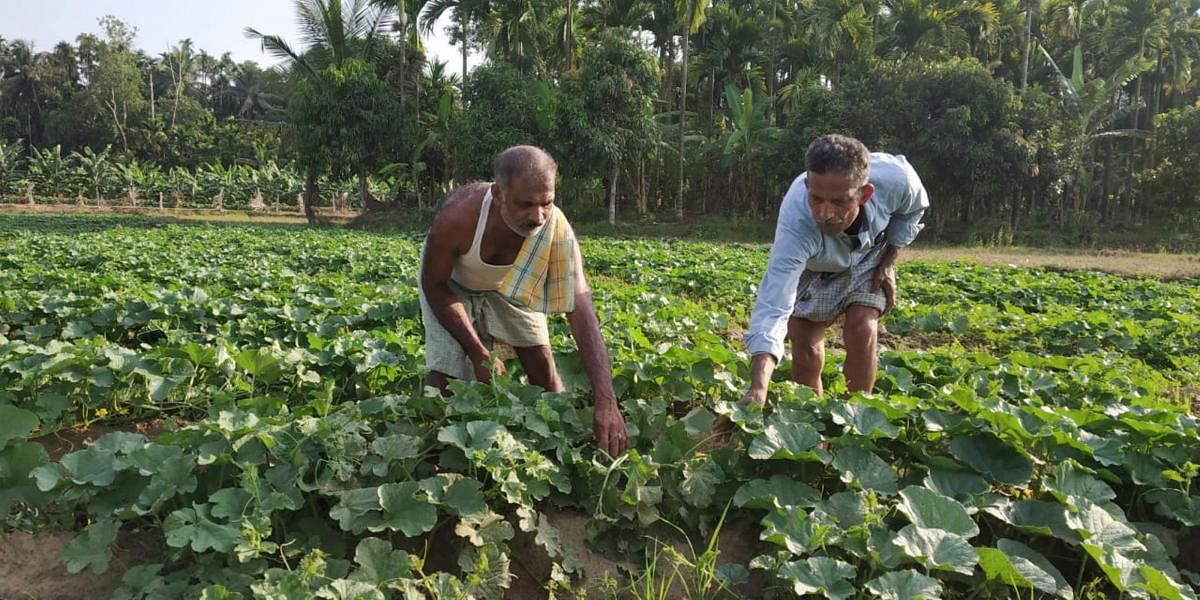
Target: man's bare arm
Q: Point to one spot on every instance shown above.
(762, 366)
(440, 253)
(609, 425)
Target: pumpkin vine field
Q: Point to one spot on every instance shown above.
(1030, 436)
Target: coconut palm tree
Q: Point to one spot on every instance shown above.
(332, 32)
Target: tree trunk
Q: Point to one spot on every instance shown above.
(365, 191)
(311, 195)
(683, 81)
(463, 25)
(1025, 49)
(612, 192)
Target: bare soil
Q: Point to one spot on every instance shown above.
(30, 568)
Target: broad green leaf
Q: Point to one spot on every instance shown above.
(484, 528)
(92, 548)
(789, 528)
(1036, 516)
(928, 509)
(846, 508)
(229, 503)
(1070, 481)
(1174, 504)
(701, 477)
(465, 497)
(406, 508)
(15, 423)
(193, 527)
(1101, 528)
(864, 420)
(779, 491)
(356, 509)
(698, 420)
(905, 585)
(380, 563)
(20, 464)
(791, 441)
(863, 466)
(90, 466)
(1159, 585)
(1017, 565)
(820, 575)
(992, 457)
(960, 485)
(938, 549)
(396, 447)
(346, 589)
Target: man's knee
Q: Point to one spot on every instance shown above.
(861, 325)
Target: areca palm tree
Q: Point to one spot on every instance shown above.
(512, 29)
(466, 13)
(730, 51)
(22, 88)
(1182, 50)
(935, 29)
(691, 15)
(838, 30)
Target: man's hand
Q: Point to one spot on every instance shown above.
(755, 396)
(484, 367)
(609, 427)
(885, 277)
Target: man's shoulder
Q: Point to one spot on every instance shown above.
(893, 176)
(462, 206)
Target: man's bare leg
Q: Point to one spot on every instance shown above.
(808, 352)
(861, 337)
(438, 380)
(538, 362)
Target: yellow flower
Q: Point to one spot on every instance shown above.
(102, 412)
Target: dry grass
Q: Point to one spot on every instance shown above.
(1120, 262)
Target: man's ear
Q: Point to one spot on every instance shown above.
(867, 191)
(495, 191)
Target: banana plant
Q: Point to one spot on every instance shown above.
(97, 172)
(49, 170)
(1089, 111)
(749, 130)
(12, 167)
(183, 182)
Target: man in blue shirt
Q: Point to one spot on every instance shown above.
(840, 228)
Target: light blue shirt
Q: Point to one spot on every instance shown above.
(893, 216)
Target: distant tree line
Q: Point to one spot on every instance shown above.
(1074, 117)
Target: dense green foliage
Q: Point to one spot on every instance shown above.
(1040, 445)
(1057, 120)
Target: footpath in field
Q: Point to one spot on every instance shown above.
(237, 411)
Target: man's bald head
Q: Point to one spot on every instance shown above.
(527, 163)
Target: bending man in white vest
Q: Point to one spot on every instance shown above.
(498, 258)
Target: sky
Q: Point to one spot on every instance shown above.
(213, 25)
